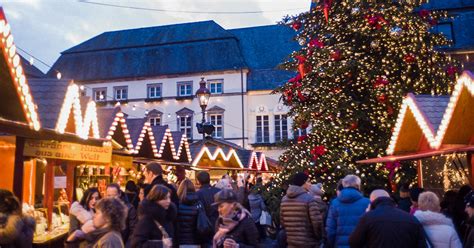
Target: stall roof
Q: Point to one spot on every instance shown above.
(113, 126)
(437, 120)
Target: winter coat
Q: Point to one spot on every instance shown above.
(302, 218)
(245, 233)
(257, 205)
(439, 229)
(187, 220)
(343, 216)
(80, 218)
(130, 223)
(160, 181)
(206, 196)
(469, 237)
(16, 231)
(387, 226)
(404, 204)
(146, 228)
(107, 239)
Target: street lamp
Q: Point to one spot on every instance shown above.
(203, 94)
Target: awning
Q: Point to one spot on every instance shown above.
(418, 155)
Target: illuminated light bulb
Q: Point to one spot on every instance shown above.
(2, 26)
(31, 60)
(169, 115)
(9, 41)
(6, 30)
(133, 108)
(16, 60)
(58, 76)
(81, 87)
(19, 71)
(12, 51)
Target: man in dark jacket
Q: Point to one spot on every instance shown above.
(345, 212)
(469, 236)
(154, 176)
(300, 215)
(387, 226)
(404, 203)
(113, 191)
(206, 194)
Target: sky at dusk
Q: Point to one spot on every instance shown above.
(44, 28)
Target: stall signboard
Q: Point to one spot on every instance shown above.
(122, 161)
(67, 151)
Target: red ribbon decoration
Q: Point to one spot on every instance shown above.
(326, 8)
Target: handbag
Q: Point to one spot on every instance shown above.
(265, 218)
(203, 225)
(165, 242)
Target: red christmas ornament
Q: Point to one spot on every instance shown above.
(316, 43)
(327, 7)
(304, 125)
(382, 98)
(302, 138)
(375, 21)
(451, 70)
(409, 58)
(289, 96)
(301, 96)
(318, 151)
(423, 13)
(296, 85)
(337, 90)
(389, 110)
(336, 55)
(353, 126)
(296, 25)
(380, 81)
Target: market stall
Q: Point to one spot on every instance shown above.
(438, 133)
(220, 157)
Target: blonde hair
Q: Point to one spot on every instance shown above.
(429, 201)
(184, 188)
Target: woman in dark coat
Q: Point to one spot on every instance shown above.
(235, 227)
(187, 214)
(16, 230)
(156, 216)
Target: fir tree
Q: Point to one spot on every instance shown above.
(357, 61)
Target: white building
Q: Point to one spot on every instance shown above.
(155, 72)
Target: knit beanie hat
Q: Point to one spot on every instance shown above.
(300, 178)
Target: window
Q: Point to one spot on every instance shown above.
(185, 125)
(154, 90)
(99, 94)
(216, 120)
(121, 93)
(216, 86)
(446, 29)
(185, 88)
(155, 121)
(263, 131)
(299, 132)
(281, 128)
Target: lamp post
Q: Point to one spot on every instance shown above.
(203, 94)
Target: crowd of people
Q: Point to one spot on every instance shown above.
(231, 214)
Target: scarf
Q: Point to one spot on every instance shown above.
(227, 224)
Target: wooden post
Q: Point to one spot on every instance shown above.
(420, 173)
(470, 159)
(70, 181)
(49, 190)
(18, 168)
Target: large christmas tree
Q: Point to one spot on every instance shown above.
(357, 61)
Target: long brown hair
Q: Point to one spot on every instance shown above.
(158, 193)
(185, 187)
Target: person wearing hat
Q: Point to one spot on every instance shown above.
(469, 237)
(154, 176)
(235, 227)
(296, 206)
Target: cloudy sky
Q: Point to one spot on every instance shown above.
(44, 28)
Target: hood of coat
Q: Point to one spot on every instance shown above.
(349, 195)
(432, 218)
(191, 198)
(12, 226)
(295, 191)
(157, 212)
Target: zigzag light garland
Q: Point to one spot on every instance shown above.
(217, 152)
(17, 73)
(466, 81)
(259, 163)
(119, 117)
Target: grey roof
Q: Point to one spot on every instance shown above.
(105, 118)
(30, 70)
(433, 107)
(48, 94)
(135, 126)
(177, 136)
(181, 49)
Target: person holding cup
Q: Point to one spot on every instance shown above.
(235, 227)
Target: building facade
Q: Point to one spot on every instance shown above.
(155, 72)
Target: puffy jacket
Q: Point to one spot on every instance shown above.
(388, 227)
(302, 218)
(146, 229)
(206, 196)
(257, 205)
(343, 216)
(439, 229)
(187, 218)
(16, 231)
(80, 218)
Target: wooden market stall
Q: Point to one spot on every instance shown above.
(35, 150)
(438, 133)
(220, 157)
